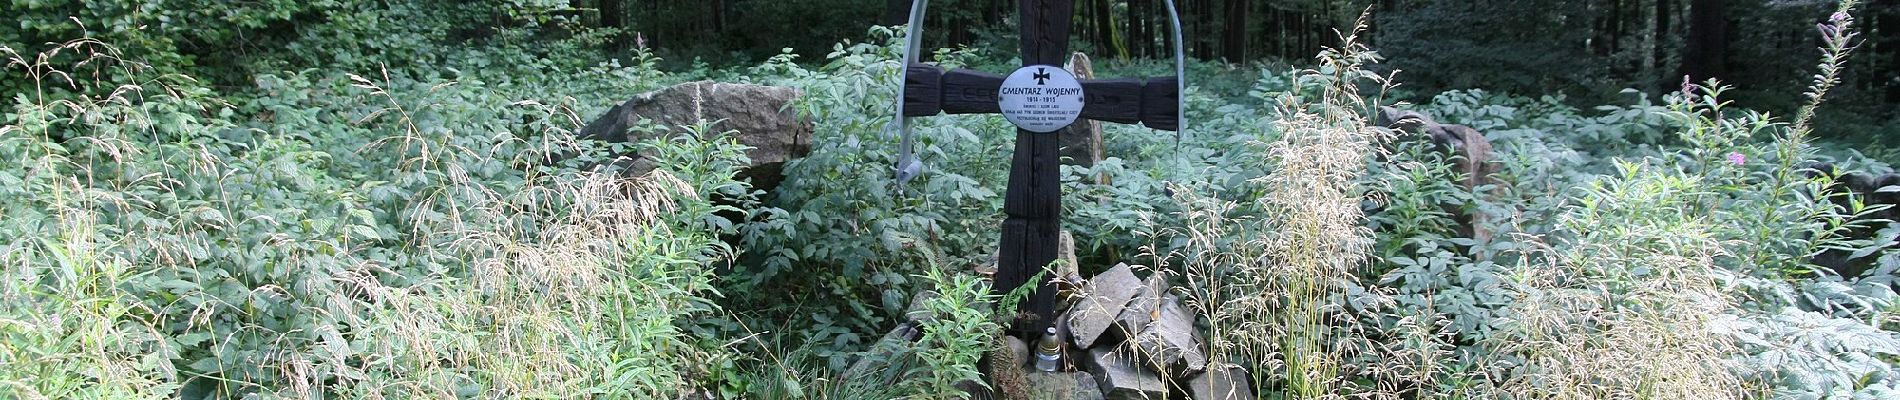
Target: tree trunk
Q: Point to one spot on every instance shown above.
(896, 12)
(1614, 28)
(1704, 53)
(1105, 30)
(613, 17)
(1646, 48)
(718, 18)
(1138, 39)
(1664, 13)
(1882, 37)
(610, 14)
(1282, 23)
(1209, 41)
(656, 38)
(1235, 38)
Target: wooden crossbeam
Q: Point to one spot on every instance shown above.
(1153, 102)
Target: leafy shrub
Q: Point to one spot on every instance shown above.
(343, 236)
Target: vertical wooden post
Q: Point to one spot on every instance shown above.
(1033, 203)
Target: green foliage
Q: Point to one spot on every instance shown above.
(1622, 310)
(955, 337)
(841, 222)
(346, 236)
(363, 206)
(229, 42)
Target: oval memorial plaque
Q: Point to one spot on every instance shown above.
(1040, 98)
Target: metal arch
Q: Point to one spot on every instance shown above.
(909, 167)
(1180, 76)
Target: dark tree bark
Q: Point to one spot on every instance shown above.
(1665, 9)
(1705, 53)
(718, 17)
(1208, 42)
(1105, 29)
(1613, 28)
(1305, 32)
(1202, 30)
(1886, 23)
(657, 37)
(1235, 38)
(896, 12)
(611, 15)
(1281, 23)
(1139, 40)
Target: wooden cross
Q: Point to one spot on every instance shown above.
(1033, 203)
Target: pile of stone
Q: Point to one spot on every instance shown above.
(1122, 336)
(1135, 340)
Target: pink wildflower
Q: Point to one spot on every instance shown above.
(1737, 158)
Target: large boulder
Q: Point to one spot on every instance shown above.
(1474, 159)
(1459, 140)
(758, 116)
(1847, 188)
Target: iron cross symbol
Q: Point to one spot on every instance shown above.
(1033, 203)
(1041, 76)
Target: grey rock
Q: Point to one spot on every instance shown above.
(1065, 249)
(1475, 160)
(1171, 340)
(1473, 146)
(1403, 120)
(1143, 308)
(1458, 139)
(1064, 386)
(1122, 378)
(1018, 348)
(1068, 279)
(757, 116)
(976, 389)
(877, 362)
(916, 312)
(1230, 383)
(1082, 142)
(1105, 296)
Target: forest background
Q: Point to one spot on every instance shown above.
(386, 198)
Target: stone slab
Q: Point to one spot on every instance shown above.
(1121, 378)
(1171, 341)
(1230, 383)
(1143, 307)
(1064, 386)
(1104, 297)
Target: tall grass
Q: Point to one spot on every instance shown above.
(1625, 301)
(158, 245)
(67, 329)
(1272, 288)
(1621, 299)
(1623, 310)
